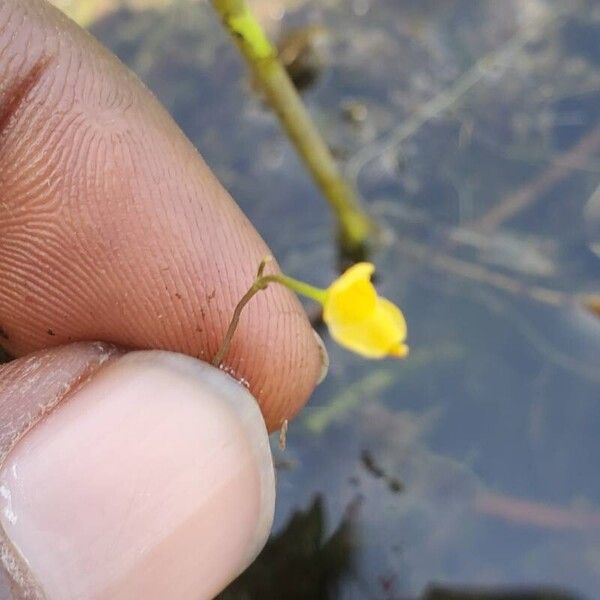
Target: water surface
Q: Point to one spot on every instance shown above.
(474, 463)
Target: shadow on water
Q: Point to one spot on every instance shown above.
(300, 562)
(472, 131)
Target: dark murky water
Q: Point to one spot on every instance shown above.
(472, 130)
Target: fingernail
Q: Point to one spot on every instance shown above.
(154, 480)
(324, 357)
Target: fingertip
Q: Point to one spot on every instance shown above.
(113, 228)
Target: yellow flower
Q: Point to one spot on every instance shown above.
(356, 316)
(359, 319)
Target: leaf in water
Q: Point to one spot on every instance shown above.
(375, 383)
(349, 399)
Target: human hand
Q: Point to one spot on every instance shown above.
(126, 474)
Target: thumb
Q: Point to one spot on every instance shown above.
(145, 475)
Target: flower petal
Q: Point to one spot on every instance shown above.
(399, 351)
(395, 315)
(352, 296)
(381, 334)
(361, 271)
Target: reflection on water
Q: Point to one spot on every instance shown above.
(471, 469)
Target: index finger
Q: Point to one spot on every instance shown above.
(113, 228)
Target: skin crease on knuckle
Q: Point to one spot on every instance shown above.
(113, 228)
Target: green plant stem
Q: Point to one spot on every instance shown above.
(304, 289)
(354, 225)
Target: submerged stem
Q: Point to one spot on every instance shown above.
(355, 227)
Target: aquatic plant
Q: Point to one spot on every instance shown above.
(357, 318)
(355, 228)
